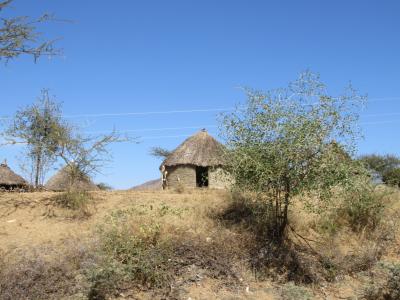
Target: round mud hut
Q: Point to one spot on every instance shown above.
(197, 162)
(9, 180)
(62, 181)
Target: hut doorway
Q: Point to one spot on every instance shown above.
(202, 176)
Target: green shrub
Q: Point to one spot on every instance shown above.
(386, 286)
(129, 258)
(392, 177)
(363, 207)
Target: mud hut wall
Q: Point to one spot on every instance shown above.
(181, 175)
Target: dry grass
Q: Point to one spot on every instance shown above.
(176, 245)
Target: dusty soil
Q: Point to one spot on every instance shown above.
(31, 219)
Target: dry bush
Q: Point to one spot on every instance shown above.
(290, 291)
(44, 273)
(302, 258)
(363, 208)
(137, 250)
(80, 203)
(285, 261)
(384, 283)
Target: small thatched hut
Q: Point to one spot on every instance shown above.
(9, 180)
(61, 181)
(197, 162)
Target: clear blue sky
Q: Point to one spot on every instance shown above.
(140, 56)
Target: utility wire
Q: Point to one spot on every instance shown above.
(148, 113)
(174, 111)
(153, 129)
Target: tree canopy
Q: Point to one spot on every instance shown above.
(20, 36)
(291, 141)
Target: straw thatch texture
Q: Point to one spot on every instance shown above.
(199, 159)
(200, 149)
(61, 181)
(9, 179)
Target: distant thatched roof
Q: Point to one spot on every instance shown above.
(61, 181)
(200, 149)
(8, 177)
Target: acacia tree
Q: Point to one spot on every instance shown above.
(50, 138)
(85, 155)
(292, 141)
(38, 126)
(20, 36)
(160, 152)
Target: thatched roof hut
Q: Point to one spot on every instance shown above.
(197, 162)
(10, 180)
(201, 149)
(61, 181)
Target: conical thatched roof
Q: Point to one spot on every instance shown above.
(9, 178)
(61, 181)
(200, 149)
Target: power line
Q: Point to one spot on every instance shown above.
(383, 99)
(148, 113)
(380, 122)
(381, 115)
(153, 129)
(99, 115)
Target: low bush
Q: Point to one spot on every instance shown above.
(385, 283)
(80, 202)
(392, 177)
(45, 273)
(285, 261)
(135, 253)
(290, 291)
(129, 258)
(363, 207)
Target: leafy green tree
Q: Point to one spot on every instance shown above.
(20, 36)
(290, 142)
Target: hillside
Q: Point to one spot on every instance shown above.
(190, 245)
(152, 185)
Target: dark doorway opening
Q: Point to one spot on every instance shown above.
(202, 176)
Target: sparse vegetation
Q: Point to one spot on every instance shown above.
(363, 206)
(104, 186)
(44, 273)
(160, 152)
(290, 291)
(162, 244)
(81, 203)
(385, 283)
(21, 36)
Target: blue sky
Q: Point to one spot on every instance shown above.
(143, 56)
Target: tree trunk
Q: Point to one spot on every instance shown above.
(38, 168)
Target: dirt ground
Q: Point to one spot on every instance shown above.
(30, 219)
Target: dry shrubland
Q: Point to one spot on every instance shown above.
(198, 244)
